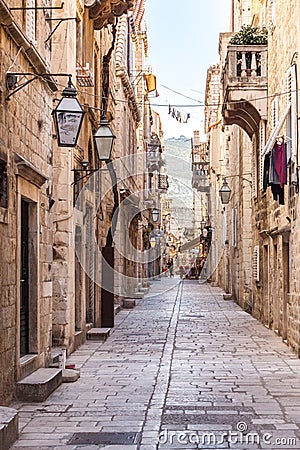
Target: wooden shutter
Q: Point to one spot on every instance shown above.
(30, 21)
(272, 15)
(254, 168)
(262, 143)
(255, 263)
(275, 111)
(292, 118)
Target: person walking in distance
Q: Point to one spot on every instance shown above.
(170, 267)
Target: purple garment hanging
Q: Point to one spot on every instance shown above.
(280, 162)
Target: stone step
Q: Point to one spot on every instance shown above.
(117, 309)
(98, 334)
(137, 295)
(129, 303)
(55, 357)
(9, 423)
(144, 290)
(70, 375)
(39, 385)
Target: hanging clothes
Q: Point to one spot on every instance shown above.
(280, 162)
(181, 117)
(278, 193)
(275, 170)
(266, 171)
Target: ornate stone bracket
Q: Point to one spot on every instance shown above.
(104, 12)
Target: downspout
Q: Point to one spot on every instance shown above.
(109, 164)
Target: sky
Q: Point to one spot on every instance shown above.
(183, 37)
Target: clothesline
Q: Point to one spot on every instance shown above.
(180, 116)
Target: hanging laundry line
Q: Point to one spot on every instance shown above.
(180, 116)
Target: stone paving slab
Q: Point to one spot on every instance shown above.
(182, 365)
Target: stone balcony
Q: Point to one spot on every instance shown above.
(163, 182)
(153, 157)
(200, 179)
(244, 80)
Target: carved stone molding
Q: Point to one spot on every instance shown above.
(104, 12)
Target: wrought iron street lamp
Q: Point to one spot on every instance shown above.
(104, 139)
(202, 224)
(225, 193)
(152, 240)
(68, 116)
(155, 214)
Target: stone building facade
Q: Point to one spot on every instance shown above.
(56, 213)
(260, 108)
(25, 222)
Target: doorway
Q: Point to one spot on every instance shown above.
(24, 280)
(286, 287)
(275, 291)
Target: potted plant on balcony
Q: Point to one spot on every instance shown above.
(249, 35)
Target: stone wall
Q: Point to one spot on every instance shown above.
(25, 127)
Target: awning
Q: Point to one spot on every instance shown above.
(150, 82)
(275, 131)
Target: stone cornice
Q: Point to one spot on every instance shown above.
(104, 12)
(27, 171)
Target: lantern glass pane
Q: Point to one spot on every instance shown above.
(68, 118)
(104, 140)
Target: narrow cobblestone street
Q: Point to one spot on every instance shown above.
(183, 369)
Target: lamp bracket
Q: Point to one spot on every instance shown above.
(12, 80)
(239, 176)
(87, 173)
(57, 25)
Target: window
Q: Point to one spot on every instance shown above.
(3, 185)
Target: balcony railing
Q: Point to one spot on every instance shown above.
(245, 64)
(153, 156)
(163, 183)
(200, 179)
(84, 76)
(244, 80)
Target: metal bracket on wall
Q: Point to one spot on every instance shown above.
(57, 25)
(25, 8)
(12, 80)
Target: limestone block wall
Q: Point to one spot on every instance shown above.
(25, 127)
(276, 295)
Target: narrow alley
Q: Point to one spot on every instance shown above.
(183, 369)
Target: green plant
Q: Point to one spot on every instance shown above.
(250, 35)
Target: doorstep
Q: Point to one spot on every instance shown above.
(9, 424)
(129, 303)
(98, 334)
(39, 385)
